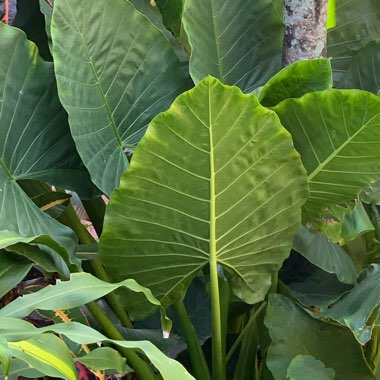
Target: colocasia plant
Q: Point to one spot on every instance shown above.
(176, 205)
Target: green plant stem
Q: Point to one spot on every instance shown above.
(198, 360)
(111, 298)
(142, 369)
(241, 335)
(70, 218)
(218, 368)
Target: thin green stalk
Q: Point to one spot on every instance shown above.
(198, 360)
(218, 367)
(142, 369)
(70, 218)
(241, 335)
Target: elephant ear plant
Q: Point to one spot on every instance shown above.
(173, 204)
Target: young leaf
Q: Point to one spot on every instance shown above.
(229, 194)
(81, 289)
(296, 80)
(306, 367)
(13, 330)
(238, 42)
(46, 353)
(337, 133)
(114, 73)
(294, 332)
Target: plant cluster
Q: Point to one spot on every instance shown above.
(175, 205)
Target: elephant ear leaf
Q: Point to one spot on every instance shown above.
(238, 42)
(337, 134)
(35, 140)
(114, 73)
(233, 180)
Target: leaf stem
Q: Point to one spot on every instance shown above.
(218, 368)
(142, 369)
(70, 218)
(198, 360)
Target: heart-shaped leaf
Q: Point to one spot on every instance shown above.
(228, 194)
(114, 72)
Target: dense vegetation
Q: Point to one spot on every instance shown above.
(174, 204)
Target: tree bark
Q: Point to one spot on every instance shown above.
(305, 30)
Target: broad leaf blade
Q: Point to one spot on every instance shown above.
(296, 80)
(114, 73)
(238, 42)
(357, 23)
(35, 141)
(363, 71)
(233, 167)
(337, 134)
(332, 344)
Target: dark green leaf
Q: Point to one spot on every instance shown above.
(114, 73)
(294, 332)
(238, 42)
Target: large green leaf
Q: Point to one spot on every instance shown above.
(306, 367)
(294, 332)
(363, 72)
(229, 193)
(35, 141)
(328, 256)
(356, 309)
(40, 249)
(296, 80)
(357, 23)
(238, 42)
(81, 289)
(114, 73)
(337, 133)
(13, 329)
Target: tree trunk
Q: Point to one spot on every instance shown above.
(305, 30)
